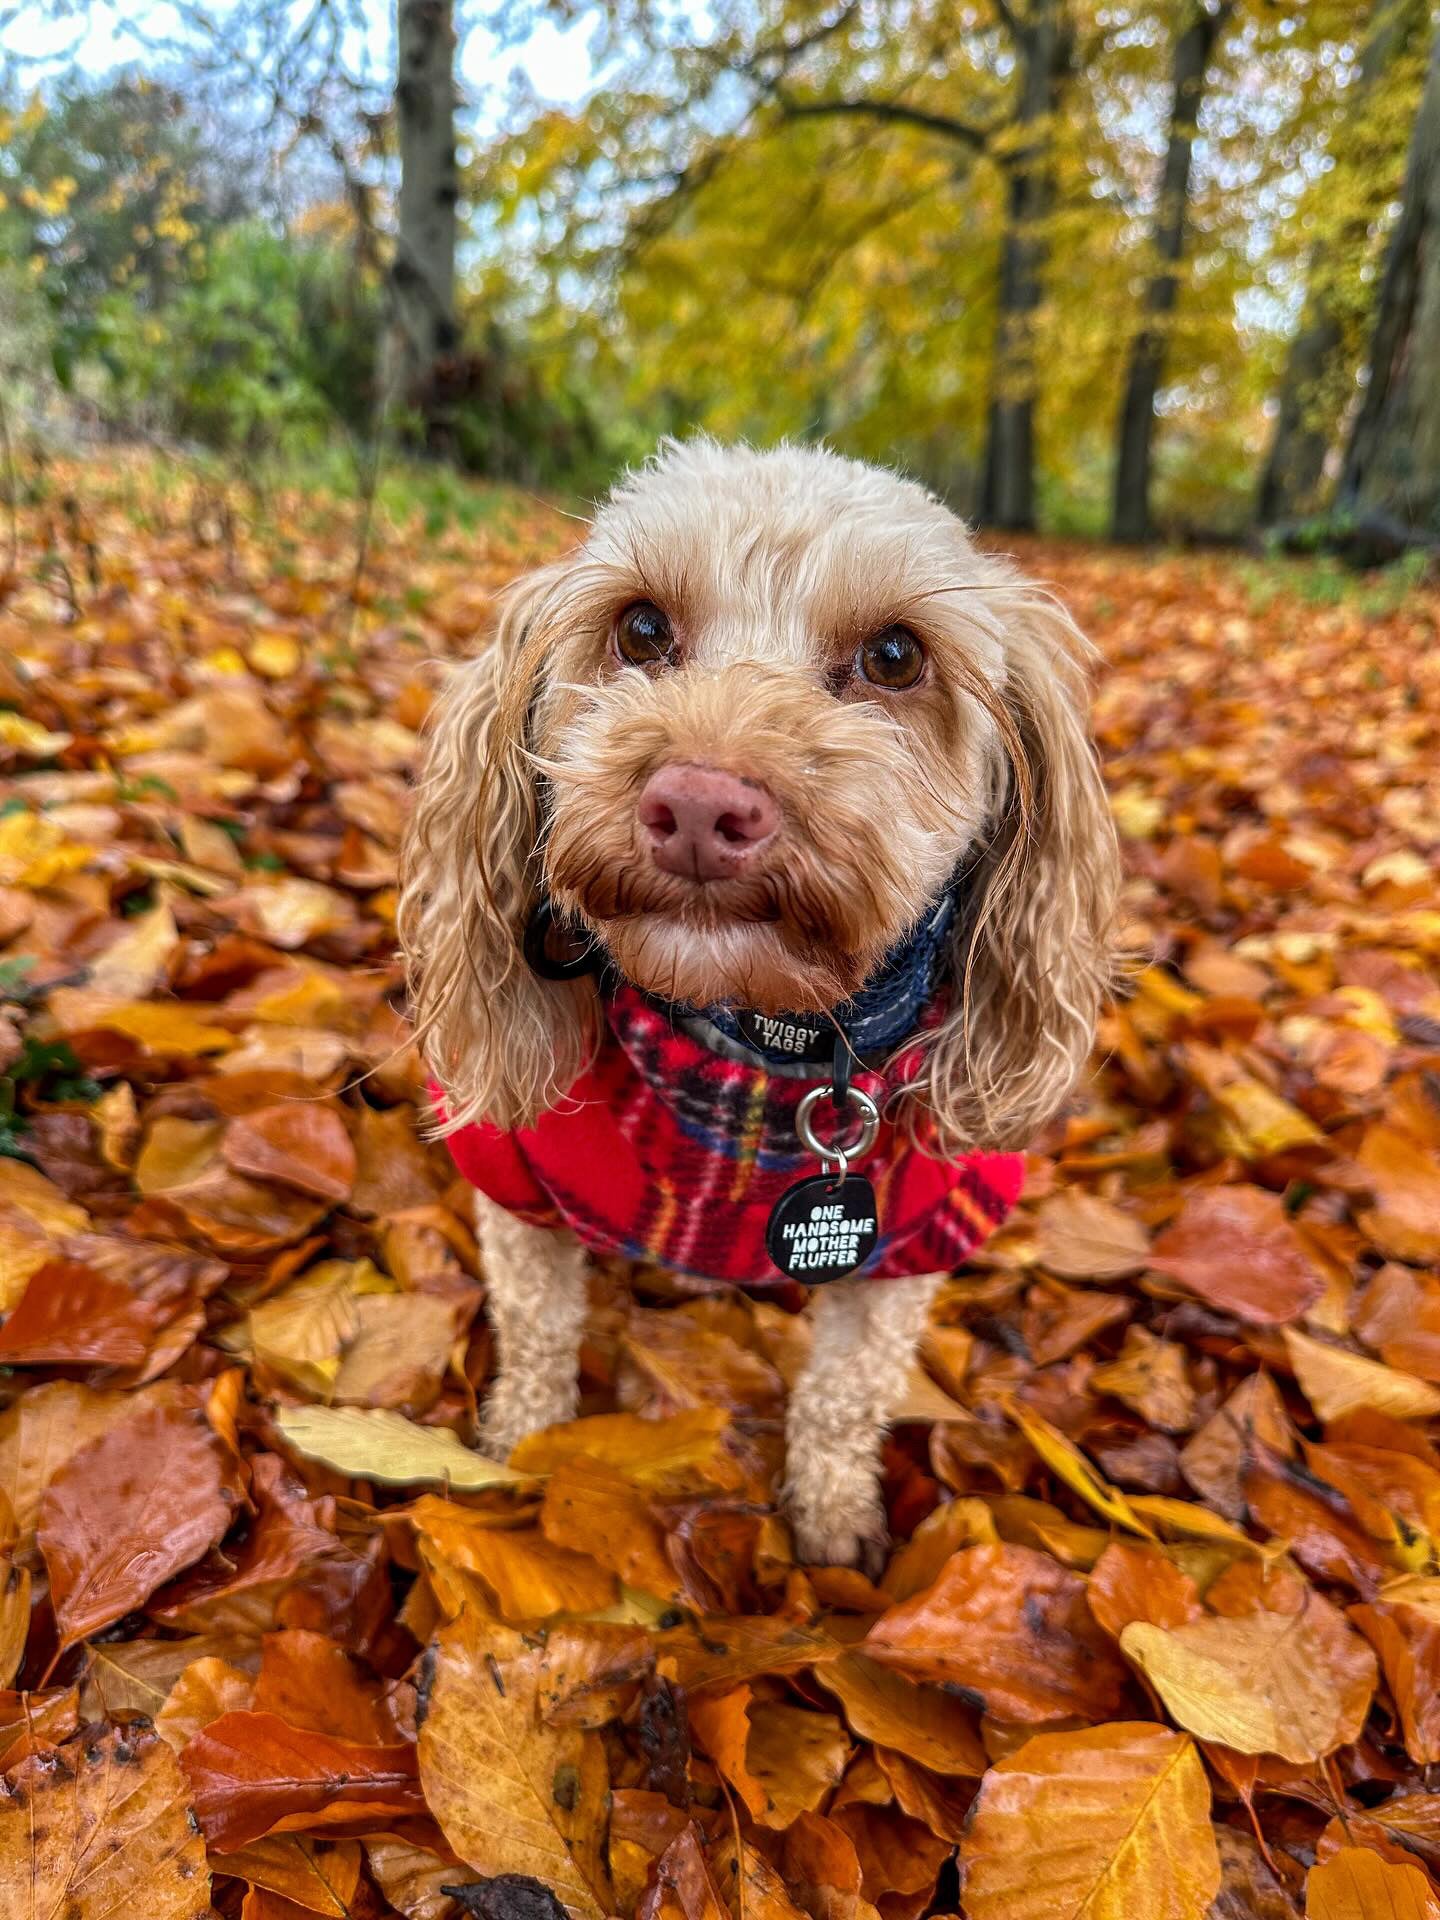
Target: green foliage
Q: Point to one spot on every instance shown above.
(272, 342)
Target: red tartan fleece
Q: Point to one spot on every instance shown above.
(667, 1152)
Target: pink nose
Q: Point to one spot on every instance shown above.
(705, 823)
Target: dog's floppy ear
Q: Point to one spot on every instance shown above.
(503, 1043)
(1035, 941)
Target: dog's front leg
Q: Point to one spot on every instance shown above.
(536, 1297)
(866, 1332)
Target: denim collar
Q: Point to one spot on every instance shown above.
(884, 1012)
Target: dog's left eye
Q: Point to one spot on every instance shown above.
(892, 658)
(643, 635)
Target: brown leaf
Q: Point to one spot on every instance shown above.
(311, 1682)
(412, 1877)
(1398, 1314)
(102, 1830)
(682, 1887)
(1082, 1237)
(1106, 1824)
(1008, 1624)
(928, 1725)
(781, 1760)
(511, 1794)
(316, 1876)
(251, 1774)
(1236, 1248)
(206, 1689)
(138, 1676)
(70, 1315)
(303, 1145)
(129, 1511)
(1149, 1375)
(1135, 1580)
(1214, 1461)
(1406, 1639)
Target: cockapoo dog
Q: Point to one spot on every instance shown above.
(802, 778)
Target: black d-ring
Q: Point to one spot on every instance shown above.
(542, 923)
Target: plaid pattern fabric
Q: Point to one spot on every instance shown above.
(669, 1153)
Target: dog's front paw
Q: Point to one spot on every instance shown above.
(841, 1532)
(517, 1409)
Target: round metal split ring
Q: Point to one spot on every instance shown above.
(855, 1149)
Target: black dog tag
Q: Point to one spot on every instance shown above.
(792, 1033)
(823, 1228)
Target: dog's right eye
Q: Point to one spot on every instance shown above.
(643, 635)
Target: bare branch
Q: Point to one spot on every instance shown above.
(976, 138)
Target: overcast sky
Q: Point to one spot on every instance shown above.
(556, 61)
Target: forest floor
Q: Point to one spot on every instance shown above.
(1160, 1634)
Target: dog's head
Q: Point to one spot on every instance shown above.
(747, 733)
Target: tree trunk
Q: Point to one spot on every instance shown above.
(1007, 490)
(423, 276)
(1130, 515)
(1318, 368)
(1392, 464)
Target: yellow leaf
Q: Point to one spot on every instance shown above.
(511, 1794)
(375, 1444)
(1112, 1823)
(682, 1453)
(528, 1576)
(34, 852)
(134, 965)
(162, 1028)
(1296, 1684)
(1336, 1382)
(1356, 1884)
(1064, 1458)
(29, 738)
(275, 655)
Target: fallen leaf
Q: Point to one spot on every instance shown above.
(1107, 1824)
(591, 1508)
(528, 1576)
(316, 1876)
(781, 1760)
(70, 1315)
(372, 1444)
(1356, 1884)
(304, 1146)
(1294, 1684)
(104, 1829)
(1238, 1250)
(511, 1794)
(1082, 1237)
(205, 1690)
(1008, 1624)
(923, 1722)
(1149, 1375)
(1336, 1382)
(682, 1453)
(129, 1511)
(251, 1774)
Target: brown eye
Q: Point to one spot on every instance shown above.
(643, 635)
(892, 658)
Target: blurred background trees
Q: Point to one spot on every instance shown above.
(1138, 267)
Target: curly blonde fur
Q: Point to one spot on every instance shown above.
(773, 570)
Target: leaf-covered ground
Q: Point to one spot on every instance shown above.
(1160, 1635)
